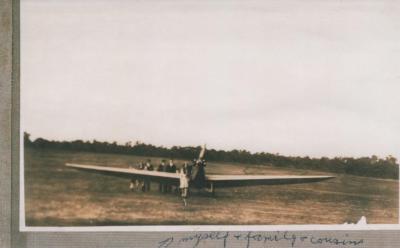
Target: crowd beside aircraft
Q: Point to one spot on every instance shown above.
(189, 173)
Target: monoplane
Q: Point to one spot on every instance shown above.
(210, 182)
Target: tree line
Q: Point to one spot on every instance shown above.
(364, 166)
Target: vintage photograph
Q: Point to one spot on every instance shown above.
(177, 113)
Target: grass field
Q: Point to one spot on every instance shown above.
(60, 196)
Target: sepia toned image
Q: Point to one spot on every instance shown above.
(178, 113)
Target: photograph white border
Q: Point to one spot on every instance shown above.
(176, 228)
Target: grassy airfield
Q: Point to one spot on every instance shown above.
(60, 196)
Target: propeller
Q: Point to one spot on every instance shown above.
(202, 152)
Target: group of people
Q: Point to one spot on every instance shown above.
(193, 174)
(169, 167)
(140, 184)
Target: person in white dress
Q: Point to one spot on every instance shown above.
(183, 184)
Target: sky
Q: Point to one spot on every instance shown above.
(309, 78)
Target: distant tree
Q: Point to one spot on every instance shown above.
(374, 159)
(390, 159)
(364, 166)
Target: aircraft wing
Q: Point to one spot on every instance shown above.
(221, 181)
(130, 173)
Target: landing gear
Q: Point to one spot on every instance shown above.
(212, 189)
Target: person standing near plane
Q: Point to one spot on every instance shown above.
(148, 167)
(172, 169)
(194, 170)
(133, 181)
(183, 184)
(202, 174)
(166, 185)
(198, 176)
(189, 169)
(139, 182)
(161, 168)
